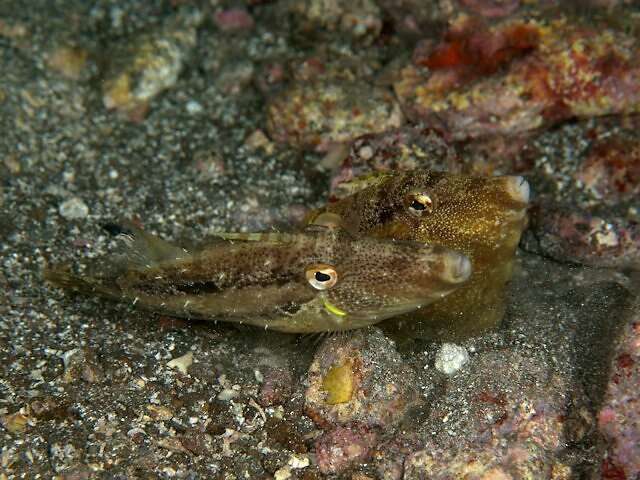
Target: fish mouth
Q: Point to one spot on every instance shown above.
(518, 188)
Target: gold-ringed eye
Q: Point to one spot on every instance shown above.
(321, 276)
(419, 203)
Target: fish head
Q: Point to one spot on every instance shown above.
(473, 215)
(368, 280)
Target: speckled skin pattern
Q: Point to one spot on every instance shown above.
(477, 216)
(259, 279)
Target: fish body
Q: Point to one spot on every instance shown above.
(481, 217)
(319, 280)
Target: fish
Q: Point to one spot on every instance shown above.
(321, 279)
(480, 217)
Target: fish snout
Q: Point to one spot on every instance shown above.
(457, 268)
(518, 188)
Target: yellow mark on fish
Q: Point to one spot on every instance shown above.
(331, 308)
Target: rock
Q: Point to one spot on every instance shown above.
(619, 417)
(389, 456)
(14, 422)
(521, 460)
(159, 413)
(70, 61)
(276, 378)
(343, 447)
(520, 75)
(181, 363)
(149, 63)
(234, 19)
(611, 170)
(586, 209)
(360, 377)
(73, 209)
(421, 17)
(416, 17)
(571, 234)
(451, 358)
(80, 363)
(317, 114)
(358, 20)
(491, 8)
(405, 148)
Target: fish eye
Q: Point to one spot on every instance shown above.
(321, 276)
(419, 203)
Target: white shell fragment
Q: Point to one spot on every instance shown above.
(181, 363)
(451, 358)
(73, 209)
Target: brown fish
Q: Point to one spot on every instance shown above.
(319, 280)
(481, 217)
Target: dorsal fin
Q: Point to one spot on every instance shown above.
(325, 220)
(265, 237)
(144, 249)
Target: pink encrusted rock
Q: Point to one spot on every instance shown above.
(343, 447)
(586, 210)
(360, 378)
(491, 8)
(276, 378)
(360, 20)
(619, 418)
(234, 19)
(520, 75)
(405, 148)
(318, 114)
(568, 233)
(520, 460)
(611, 170)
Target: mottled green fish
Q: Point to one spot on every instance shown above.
(319, 280)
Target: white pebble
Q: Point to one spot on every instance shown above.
(298, 462)
(194, 107)
(73, 209)
(181, 363)
(451, 358)
(283, 473)
(227, 394)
